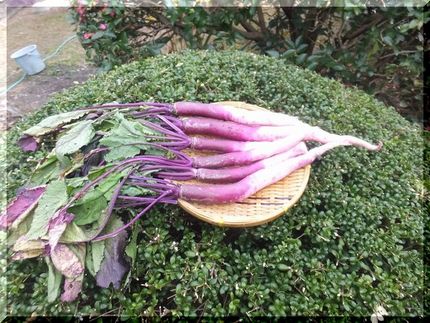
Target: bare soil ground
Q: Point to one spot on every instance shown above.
(47, 28)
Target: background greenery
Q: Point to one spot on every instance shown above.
(354, 240)
(378, 49)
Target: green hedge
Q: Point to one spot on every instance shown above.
(353, 241)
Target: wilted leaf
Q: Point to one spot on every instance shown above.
(24, 248)
(73, 285)
(21, 229)
(51, 123)
(20, 255)
(57, 225)
(23, 244)
(72, 288)
(21, 206)
(114, 265)
(28, 143)
(65, 260)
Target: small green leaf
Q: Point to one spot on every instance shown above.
(283, 267)
(289, 53)
(302, 47)
(301, 58)
(98, 35)
(272, 53)
(131, 249)
(312, 66)
(190, 254)
(298, 41)
(388, 40)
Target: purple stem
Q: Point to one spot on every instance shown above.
(155, 201)
(141, 199)
(144, 178)
(86, 187)
(170, 167)
(177, 176)
(168, 106)
(174, 120)
(111, 205)
(153, 126)
(174, 127)
(152, 112)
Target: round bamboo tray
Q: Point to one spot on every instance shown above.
(264, 206)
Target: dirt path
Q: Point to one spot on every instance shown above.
(47, 28)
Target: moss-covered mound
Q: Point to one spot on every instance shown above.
(352, 242)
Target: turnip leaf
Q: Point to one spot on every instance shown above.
(89, 212)
(54, 197)
(114, 265)
(97, 254)
(72, 288)
(49, 169)
(57, 224)
(54, 281)
(121, 152)
(21, 206)
(53, 122)
(131, 250)
(73, 233)
(128, 138)
(78, 136)
(24, 249)
(73, 285)
(66, 261)
(102, 189)
(14, 233)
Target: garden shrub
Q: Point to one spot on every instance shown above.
(379, 49)
(351, 243)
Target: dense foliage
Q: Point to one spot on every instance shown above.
(378, 49)
(352, 242)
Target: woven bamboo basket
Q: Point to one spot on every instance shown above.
(264, 206)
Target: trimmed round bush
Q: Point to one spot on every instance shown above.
(351, 243)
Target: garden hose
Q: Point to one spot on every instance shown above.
(54, 53)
